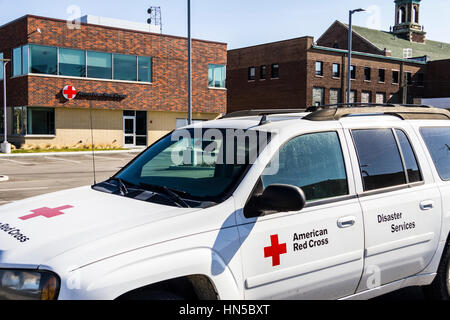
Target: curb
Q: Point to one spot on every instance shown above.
(37, 154)
(3, 178)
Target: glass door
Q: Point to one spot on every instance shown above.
(129, 131)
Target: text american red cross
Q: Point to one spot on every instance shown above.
(70, 92)
(275, 250)
(46, 212)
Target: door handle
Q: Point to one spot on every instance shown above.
(427, 205)
(346, 222)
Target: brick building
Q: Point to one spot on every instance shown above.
(134, 82)
(386, 66)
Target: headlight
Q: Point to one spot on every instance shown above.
(28, 285)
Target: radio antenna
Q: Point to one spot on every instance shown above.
(92, 146)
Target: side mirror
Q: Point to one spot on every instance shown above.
(276, 198)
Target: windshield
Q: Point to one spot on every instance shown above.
(200, 164)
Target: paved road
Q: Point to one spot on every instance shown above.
(35, 175)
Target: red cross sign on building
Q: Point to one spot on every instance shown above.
(46, 212)
(275, 250)
(69, 92)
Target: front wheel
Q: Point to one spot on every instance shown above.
(440, 288)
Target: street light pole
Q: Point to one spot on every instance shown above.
(349, 67)
(5, 147)
(189, 64)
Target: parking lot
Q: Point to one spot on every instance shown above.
(33, 175)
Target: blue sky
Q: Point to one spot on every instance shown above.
(241, 22)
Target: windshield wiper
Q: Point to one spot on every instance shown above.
(171, 193)
(122, 185)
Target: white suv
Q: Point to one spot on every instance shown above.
(335, 203)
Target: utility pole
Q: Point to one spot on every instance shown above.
(405, 88)
(5, 146)
(350, 34)
(189, 63)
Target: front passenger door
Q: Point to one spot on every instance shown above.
(316, 253)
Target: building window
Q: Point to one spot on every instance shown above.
(395, 77)
(408, 76)
(318, 96)
(19, 121)
(1, 66)
(40, 121)
(17, 62)
(43, 60)
(381, 75)
(125, 67)
(335, 96)
(72, 62)
(336, 70)
(352, 72)
(366, 97)
(319, 68)
(407, 53)
(275, 71)
(216, 76)
(20, 61)
(145, 69)
(353, 96)
(380, 98)
(402, 15)
(262, 72)
(99, 65)
(251, 73)
(367, 74)
(33, 121)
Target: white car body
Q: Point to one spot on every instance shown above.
(105, 246)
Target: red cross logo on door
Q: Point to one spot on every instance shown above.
(275, 250)
(69, 92)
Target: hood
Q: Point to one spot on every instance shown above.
(35, 230)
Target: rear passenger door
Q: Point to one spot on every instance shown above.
(400, 202)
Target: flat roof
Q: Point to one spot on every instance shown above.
(109, 27)
(275, 42)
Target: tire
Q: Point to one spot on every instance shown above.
(440, 288)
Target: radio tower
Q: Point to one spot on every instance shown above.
(155, 17)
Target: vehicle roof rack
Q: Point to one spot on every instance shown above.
(260, 112)
(402, 111)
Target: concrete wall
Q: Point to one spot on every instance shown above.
(73, 127)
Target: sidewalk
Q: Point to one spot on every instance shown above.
(73, 153)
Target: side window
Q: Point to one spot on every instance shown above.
(379, 159)
(412, 167)
(438, 143)
(313, 162)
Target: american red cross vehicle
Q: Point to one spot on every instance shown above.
(334, 203)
